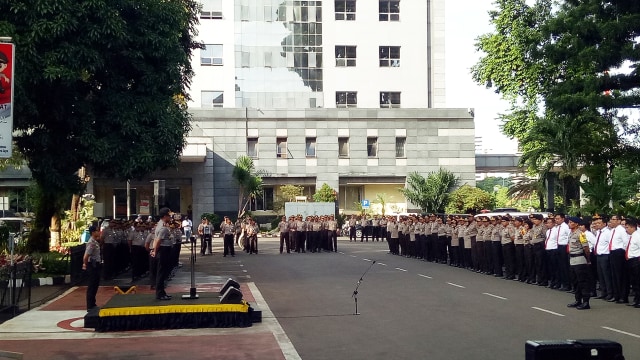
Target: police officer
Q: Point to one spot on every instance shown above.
(228, 231)
(92, 263)
(162, 245)
(579, 260)
(283, 226)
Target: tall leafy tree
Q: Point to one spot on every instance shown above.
(467, 199)
(431, 193)
(325, 194)
(101, 84)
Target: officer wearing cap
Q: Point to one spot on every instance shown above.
(579, 260)
(538, 237)
(92, 263)
(162, 245)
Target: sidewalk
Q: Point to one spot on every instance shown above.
(54, 330)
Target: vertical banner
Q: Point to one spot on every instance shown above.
(6, 99)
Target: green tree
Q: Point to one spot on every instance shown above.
(249, 181)
(430, 194)
(289, 192)
(467, 199)
(488, 184)
(101, 84)
(382, 199)
(325, 194)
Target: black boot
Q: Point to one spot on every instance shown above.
(584, 306)
(575, 304)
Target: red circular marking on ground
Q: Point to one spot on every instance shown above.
(66, 324)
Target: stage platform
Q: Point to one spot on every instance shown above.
(145, 312)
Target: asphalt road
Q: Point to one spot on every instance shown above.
(411, 309)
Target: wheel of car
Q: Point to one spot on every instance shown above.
(358, 233)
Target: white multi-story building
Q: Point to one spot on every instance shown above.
(343, 92)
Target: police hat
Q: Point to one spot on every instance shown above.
(164, 212)
(537, 216)
(574, 219)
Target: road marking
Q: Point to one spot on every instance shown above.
(340, 252)
(383, 264)
(547, 311)
(271, 322)
(456, 285)
(367, 260)
(401, 269)
(495, 296)
(425, 276)
(621, 332)
(352, 255)
(244, 270)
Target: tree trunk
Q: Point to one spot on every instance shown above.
(75, 211)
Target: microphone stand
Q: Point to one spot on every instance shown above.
(192, 291)
(355, 291)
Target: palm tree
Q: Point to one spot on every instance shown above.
(430, 193)
(249, 181)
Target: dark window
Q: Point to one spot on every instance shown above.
(345, 99)
(389, 99)
(389, 10)
(345, 9)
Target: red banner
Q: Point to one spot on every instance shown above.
(6, 98)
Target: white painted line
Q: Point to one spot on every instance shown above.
(367, 260)
(401, 269)
(340, 252)
(383, 264)
(495, 296)
(621, 332)
(288, 350)
(456, 285)
(547, 311)
(244, 270)
(352, 255)
(425, 276)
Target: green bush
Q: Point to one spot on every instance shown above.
(52, 263)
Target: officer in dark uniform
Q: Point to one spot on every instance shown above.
(92, 263)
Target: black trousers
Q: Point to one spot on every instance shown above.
(352, 233)
(138, 261)
(205, 244)
(163, 254)
(634, 275)
(619, 275)
(529, 263)
(552, 267)
(496, 257)
(228, 245)
(604, 275)
(509, 256)
(109, 257)
(253, 244)
(582, 276)
(539, 254)
(520, 268)
(563, 266)
(93, 273)
(333, 240)
(284, 242)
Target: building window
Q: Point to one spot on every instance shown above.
(310, 147)
(252, 148)
(346, 99)
(281, 148)
(345, 55)
(212, 98)
(372, 147)
(211, 55)
(389, 56)
(264, 201)
(389, 99)
(345, 9)
(389, 10)
(343, 147)
(400, 144)
(211, 9)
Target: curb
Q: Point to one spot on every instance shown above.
(52, 280)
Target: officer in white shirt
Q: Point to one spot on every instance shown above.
(187, 227)
(562, 235)
(632, 254)
(617, 246)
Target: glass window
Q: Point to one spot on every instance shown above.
(281, 148)
(389, 99)
(211, 98)
(400, 144)
(310, 147)
(345, 99)
(211, 9)
(345, 9)
(252, 148)
(211, 55)
(343, 147)
(389, 10)
(389, 56)
(345, 55)
(372, 147)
